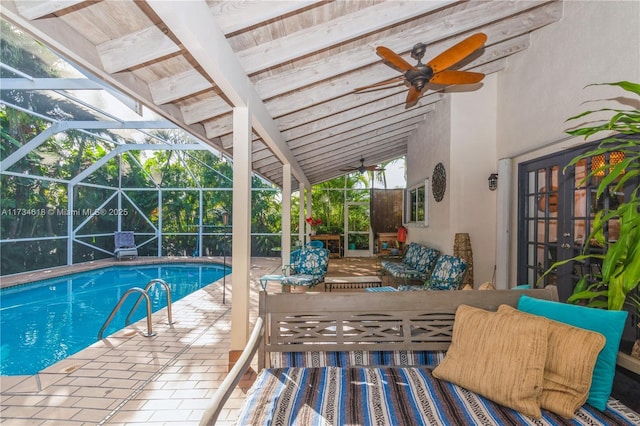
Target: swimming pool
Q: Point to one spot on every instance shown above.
(49, 320)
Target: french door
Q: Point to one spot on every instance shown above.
(556, 209)
(357, 227)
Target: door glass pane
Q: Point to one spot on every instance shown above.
(553, 230)
(358, 227)
(531, 231)
(542, 181)
(532, 206)
(542, 232)
(579, 231)
(531, 181)
(358, 218)
(581, 173)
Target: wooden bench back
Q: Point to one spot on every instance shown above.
(404, 320)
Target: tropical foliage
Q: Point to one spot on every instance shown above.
(620, 271)
(160, 194)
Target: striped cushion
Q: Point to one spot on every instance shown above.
(388, 396)
(355, 358)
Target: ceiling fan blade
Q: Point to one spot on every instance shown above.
(412, 97)
(457, 52)
(382, 83)
(374, 169)
(394, 58)
(456, 77)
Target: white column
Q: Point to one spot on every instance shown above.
(309, 214)
(503, 224)
(241, 229)
(301, 214)
(286, 214)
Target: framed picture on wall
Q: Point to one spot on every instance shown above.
(416, 210)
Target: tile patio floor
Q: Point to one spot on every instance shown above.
(128, 379)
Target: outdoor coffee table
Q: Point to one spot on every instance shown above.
(347, 283)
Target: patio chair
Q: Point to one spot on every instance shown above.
(125, 245)
(447, 274)
(316, 243)
(309, 269)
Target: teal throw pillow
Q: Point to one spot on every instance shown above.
(608, 323)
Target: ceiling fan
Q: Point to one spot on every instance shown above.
(435, 71)
(362, 168)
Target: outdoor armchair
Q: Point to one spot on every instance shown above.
(309, 269)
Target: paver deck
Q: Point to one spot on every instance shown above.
(129, 379)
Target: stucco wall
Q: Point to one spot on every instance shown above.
(460, 134)
(428, 146)
(473, 159)
(595, 42)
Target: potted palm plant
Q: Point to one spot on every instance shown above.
(610, 288)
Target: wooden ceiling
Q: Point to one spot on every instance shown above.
(294, 63)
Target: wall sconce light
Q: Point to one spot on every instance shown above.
(493, 181)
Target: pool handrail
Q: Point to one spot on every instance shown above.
(126, 294)
(146, 289)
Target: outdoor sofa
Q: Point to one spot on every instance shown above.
(379, 358)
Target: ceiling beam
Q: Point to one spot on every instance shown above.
(309, 151)
(196, 29)
(178, 86)
(388, 115)
(367, 113)
(336, 31)
(430, 30)
(353, 154)
(145, 45)
(342, 82)
(386, 149)
(234, 16)
(35, 9)
(349, 130)
(334, 97)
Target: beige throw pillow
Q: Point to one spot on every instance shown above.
(571, 356)
(499, 356)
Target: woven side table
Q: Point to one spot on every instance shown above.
(462, 249)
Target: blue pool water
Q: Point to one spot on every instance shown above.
(44, 322)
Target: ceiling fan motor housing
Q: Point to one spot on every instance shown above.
(420, 76)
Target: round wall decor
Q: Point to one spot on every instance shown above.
(438, 182)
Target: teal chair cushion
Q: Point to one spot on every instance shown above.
(302, 280)
(427, 259)
(412, 255)
(447, 274)
(312, 261)
(315, 243)
(309, 268)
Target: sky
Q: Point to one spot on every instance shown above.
(395, 173)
